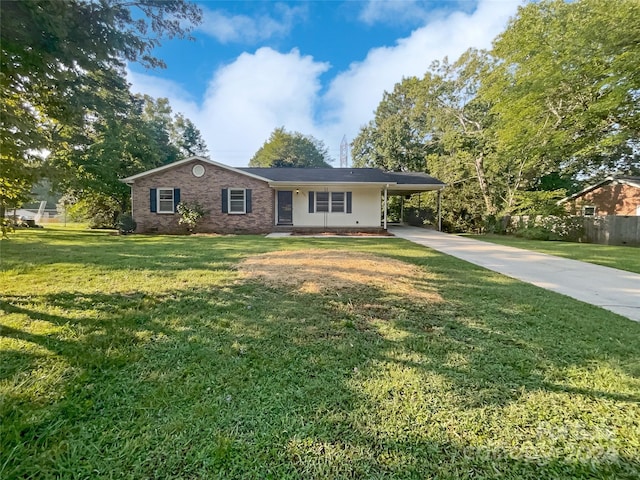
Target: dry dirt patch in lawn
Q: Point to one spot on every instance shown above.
(320, 271)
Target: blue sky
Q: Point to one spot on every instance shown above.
(319, 67)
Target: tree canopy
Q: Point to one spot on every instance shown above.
(144, 134)
(291, 149)
(552, 106)
(565, 86)
(63, 61)
(439, 125)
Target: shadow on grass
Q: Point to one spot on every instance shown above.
(112, 252)
(249, 381)
(151, 252)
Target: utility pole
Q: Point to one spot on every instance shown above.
(344, 153)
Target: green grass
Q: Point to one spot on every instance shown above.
(620, 257)
(149, 357)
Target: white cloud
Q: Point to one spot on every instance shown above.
(260, 91)
(180, 99)
(354, 94)
(407, 11)
(244, 29)
(247, 100)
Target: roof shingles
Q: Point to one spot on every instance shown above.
(342, 175)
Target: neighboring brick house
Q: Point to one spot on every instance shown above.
(261, 200)
(618, 195)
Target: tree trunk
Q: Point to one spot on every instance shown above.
(484, 188)
(511, 191)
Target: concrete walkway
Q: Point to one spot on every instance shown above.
(609, 288)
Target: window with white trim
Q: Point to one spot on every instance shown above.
(237, 200)
(589, 211)
(337, 202)
(330, 202)
(165, 200)
(322, 201)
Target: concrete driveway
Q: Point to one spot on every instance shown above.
(609, 288)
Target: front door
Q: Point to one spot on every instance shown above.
(285, 207)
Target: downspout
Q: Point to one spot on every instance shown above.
(326, 214)
(439, 212)
(131, 195)
(385, 206)
(276, 205)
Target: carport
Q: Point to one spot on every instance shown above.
(410, 183)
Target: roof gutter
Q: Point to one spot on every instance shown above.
(416, 186)
(288, 183)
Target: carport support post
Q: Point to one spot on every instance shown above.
(439, 212)
(385, 206)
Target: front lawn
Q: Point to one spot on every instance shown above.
(245, 357)
(620, 257)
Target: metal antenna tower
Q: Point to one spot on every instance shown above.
(344, 153)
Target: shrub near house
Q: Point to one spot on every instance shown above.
(191, 213)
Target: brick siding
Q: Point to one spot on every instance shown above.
(609, 200)
(207, 191)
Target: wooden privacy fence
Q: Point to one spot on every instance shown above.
(606, 229)
(612, 230)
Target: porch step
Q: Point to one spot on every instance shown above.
(333, 230)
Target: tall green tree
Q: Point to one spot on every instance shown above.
(187, 138)
(398, 136)
(437, 125)
(291, 149)
(115, 144)
(565, 89)
(465, 127)
(52, 57)
(553, 105)
(157, 117)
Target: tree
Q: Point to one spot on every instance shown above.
(285, 149)
(565, 89)
(157, 118)
(53, 55)
(437, 125)
(187, 138)
(113, 145)
(465, 125)
(398, 137)
(555, 103)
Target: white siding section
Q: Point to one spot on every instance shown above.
(366, 208)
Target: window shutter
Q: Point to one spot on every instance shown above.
(176, 198)
(225, 201)
(348, 202)
(311, 202)
(247, 195)
(153, 200)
